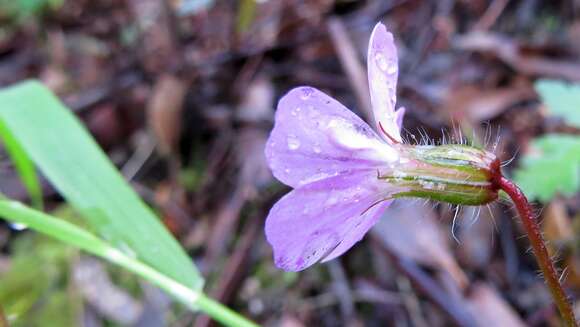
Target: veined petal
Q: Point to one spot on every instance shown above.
(400, 114)
(383, 70)
(322, 220)
(358, 228)
(315, 137)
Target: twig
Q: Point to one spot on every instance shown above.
(426, 285)
(351, 64)
(342, 289)
(491, 15)
(236, 267)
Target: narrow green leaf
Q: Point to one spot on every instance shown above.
(550, 167)
(71, 160)
(78, 237)
(562, 99)
(23, 165)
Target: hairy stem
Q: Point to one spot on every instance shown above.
(539, 248)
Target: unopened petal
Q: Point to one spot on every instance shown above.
(322, 220)
(315, 137)
(383, 70)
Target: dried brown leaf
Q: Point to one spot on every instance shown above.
(164, 111)
(490, 309)
(513, 54)
(476, 104)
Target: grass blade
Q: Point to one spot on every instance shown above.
(78, 237)
(71, 160)
(24, 166)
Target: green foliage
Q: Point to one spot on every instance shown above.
(19, 10)
(23, 165)
(37, 128)
(68, 156)
(551, 167)
(562, 99)
(34, 289)
(80, 238)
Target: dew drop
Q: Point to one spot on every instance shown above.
(306, 93)
(391, 67)
(293, 142)
(332, 200)
(316, 148)
(381, 61)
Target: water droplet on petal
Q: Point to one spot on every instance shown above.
(316, 148)
(293, 142)
(294, 112)
(388, 66)
(381, 61)
(306, 93)
(391, 67)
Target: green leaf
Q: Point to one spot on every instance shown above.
(27, 292)
(562, 99)
(71, 160)
(24, 166)
(73, 235)
(551, 166)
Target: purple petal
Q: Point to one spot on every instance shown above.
(400, 113)
(322, 220)
(383, 70)
(357, 229)
(316, 137)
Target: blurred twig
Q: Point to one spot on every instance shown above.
(236, 267)
(351, 64)
(426, 285)
(342, 289)
(491, 15)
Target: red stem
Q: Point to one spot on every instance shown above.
(539, 247)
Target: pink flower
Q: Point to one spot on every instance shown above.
(332, 159)
(345, 174)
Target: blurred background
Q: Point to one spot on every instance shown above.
(182, 94)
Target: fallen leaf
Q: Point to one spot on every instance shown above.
(164, 112)
(513, 54)
(490, 309)
(477, 104)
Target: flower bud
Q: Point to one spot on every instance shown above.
(454, 173)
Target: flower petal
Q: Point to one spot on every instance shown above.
(316, 137)
(400, 113)
(322, 220)
(383, 70)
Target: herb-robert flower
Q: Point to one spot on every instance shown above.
(345, 173)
